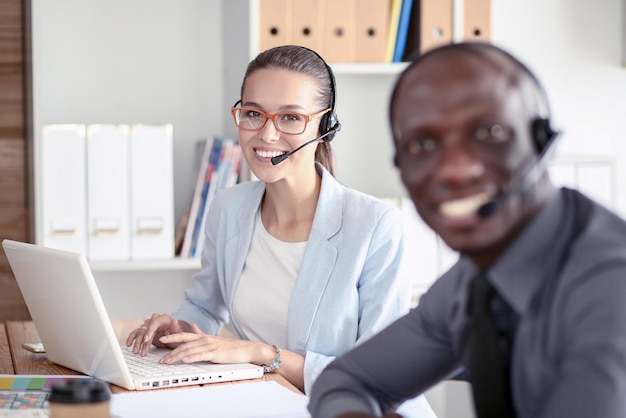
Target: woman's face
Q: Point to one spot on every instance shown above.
(273, 90)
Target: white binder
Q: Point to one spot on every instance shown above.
(152, 192)
(108, 192)
(63, 187)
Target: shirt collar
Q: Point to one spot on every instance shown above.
(519, 272)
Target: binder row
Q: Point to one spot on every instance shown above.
(218, 168)
(376, 31)
(108, 190)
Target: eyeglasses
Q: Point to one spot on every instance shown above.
(291, 123)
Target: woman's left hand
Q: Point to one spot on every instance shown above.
(197, 346)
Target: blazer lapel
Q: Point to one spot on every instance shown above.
(318, 263)
(238, 245)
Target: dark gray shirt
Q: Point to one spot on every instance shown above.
(569, 354)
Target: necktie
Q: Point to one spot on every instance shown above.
(489, 356)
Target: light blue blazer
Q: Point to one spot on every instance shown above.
(347, 287)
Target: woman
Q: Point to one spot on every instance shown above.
(302, 267)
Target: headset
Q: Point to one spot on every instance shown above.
(329, 123)
(543, 135)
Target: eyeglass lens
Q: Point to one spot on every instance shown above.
(286, 122)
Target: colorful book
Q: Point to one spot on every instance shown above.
(403, 30)
(412, 44)
(224, 176)
(394, 20)
(196, 197)
(214, 162)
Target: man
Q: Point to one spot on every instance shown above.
(542, 269)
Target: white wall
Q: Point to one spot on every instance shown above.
(363, 148)
(131, 61)
(575, 49)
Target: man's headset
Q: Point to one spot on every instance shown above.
(543, 135)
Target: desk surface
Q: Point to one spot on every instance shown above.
(6, 364)
(15, 360)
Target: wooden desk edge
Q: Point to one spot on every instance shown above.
(6, 361)
(25, 362)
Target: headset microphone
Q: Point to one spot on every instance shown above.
(280, 158)
(529, 176)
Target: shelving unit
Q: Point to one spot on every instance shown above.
(154, 73)
(368, 68)
(176, 264)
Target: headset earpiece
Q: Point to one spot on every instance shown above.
(542, 133)
(328, 123)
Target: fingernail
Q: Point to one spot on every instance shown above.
(163, 338)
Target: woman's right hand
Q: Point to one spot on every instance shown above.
(151, 330)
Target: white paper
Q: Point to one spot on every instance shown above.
(240, 400)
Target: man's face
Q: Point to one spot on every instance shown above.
(462, 130)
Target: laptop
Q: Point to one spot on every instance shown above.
(64, 303)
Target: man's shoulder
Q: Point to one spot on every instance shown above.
(602, 239)
(602, 223)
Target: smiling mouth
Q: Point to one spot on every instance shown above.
(464, 207)
(269, 154)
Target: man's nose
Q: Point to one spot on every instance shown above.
(459, 163)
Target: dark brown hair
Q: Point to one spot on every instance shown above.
(301, 60)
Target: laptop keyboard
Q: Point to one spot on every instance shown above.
(149, 365)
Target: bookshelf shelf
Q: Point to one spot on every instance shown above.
(175, 264)
(368, 68)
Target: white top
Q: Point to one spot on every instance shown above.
(269, 274)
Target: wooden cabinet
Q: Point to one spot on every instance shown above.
(14, 147)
